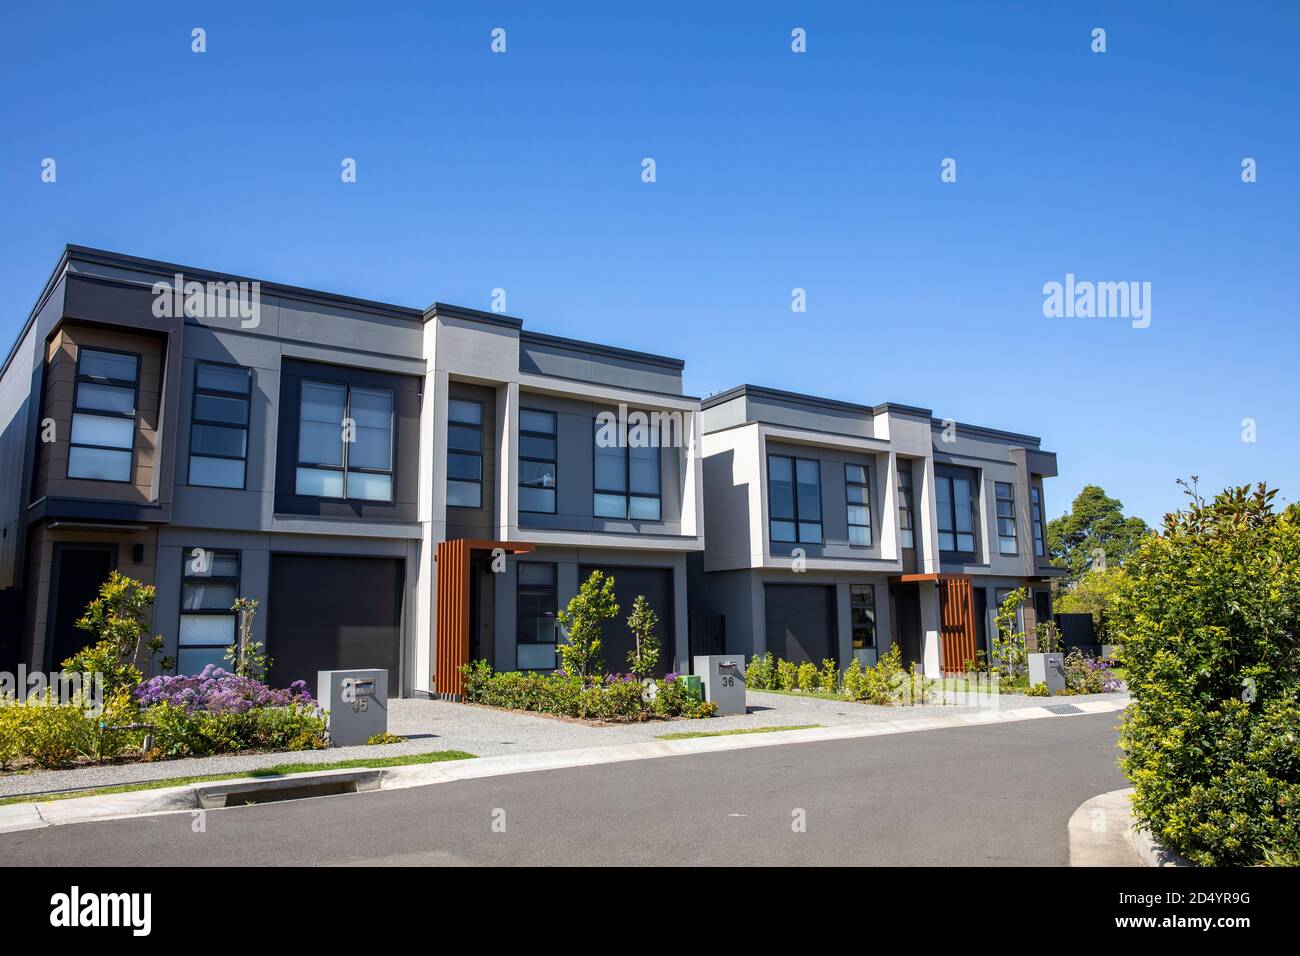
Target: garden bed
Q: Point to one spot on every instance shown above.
(609, 700)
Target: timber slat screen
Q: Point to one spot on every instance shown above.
(956, 622)
(451, 618)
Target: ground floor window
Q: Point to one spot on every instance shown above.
(862, 614)
(209, 587)
(535, 618)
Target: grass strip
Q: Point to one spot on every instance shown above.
(280, 769)
(690, 734)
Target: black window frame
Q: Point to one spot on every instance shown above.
(905, 508)
(187, 558)
(796, 520)
(246, 398)
(346, 466)
(1036, 516)
(627, 494)
(554, 438)
(865, 484)
(952, 475)
(482, 413)
(552, 591)
(133, 417)
(1010, 499)
(854, 591)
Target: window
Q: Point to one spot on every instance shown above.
(210, 584)
(103, 415)
(345, 442)
(859, 498)
(537, 461)
(626, 481)
(862, 615)
(464, 453)
(1036, 501)
(794, 499)
(536, 633)
(219, 425)
(956, 513)
(1005, 494)
(905, 536)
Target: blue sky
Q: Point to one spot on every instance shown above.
(775, 170)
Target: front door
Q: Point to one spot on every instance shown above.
(907, 612)
(78, 573)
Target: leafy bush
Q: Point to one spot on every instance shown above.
(615, 697)
(1088, 675)
(582, 620)
(1010, 659)
(218, 691)
(787, 675)
(806, 678)
(828, 679)
(1038, 690)
(880, 683)
(1207, 621)
(384, 738)
(760, 673)
(641, 660)
(119, 619)
(178, 732)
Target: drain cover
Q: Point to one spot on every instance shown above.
(1062, 708)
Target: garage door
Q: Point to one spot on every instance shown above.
(331, 613)
(616, 640)
(800, 622)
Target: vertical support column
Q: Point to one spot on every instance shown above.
(693, 478)
(931, 635)
(508, 457)
(927, 511)
(889, 550)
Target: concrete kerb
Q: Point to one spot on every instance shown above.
(1103, 832)
(190, 797)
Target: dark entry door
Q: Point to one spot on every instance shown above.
(800, 622)
(907, 609)
(78, 574)
(333, 613)
(616, 640)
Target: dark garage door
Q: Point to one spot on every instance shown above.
(800, 622)
(616, 640)
(332, 613)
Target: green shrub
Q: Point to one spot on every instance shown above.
(829, 678)
(643, 658)
(1207, 618)
(760, 673)
(787, 675)
(203, 733)
(806, 678)
(582, 620)
(1038, 690)
(616, 698)
(851, 685)
(375, 740)
(880, 683)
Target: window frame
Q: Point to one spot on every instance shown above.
(482, 413)
(627, 494)
(1036, 519)
(554, 593)
(246, 398)
(134, 417)
(865, 484)
(554, 437)
(346, 465)
(187, 556)
(870, 590)
(905, 508)
(955, 474)
(797, 521)
(998, 498)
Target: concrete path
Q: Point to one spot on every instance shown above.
(1101, 831)
(485, 732)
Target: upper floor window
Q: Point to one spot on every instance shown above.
(537, 471)
(219, 425)
(955, 505)
(103, 415)
(862, 615)
(209, 586)
(1036, 503)
(858, 493)
(626, 480)
(345, 442)
(794, 499)
(906, 539)
(464, 453)
(1005, 494)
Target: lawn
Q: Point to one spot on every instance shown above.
(278, 770)
(691, 734)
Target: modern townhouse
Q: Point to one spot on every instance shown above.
(834, 530)
(400, 488)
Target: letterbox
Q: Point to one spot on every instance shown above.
(357, 702)
(724, 681)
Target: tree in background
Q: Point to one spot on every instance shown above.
(1095, 527)
(1094, 593)
(643, 658)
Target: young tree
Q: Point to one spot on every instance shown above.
(1095, 533)
(582, 620)
(642, 659)
(119, 619)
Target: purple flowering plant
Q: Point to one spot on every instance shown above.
(217, 691)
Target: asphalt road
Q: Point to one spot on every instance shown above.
(984, 795)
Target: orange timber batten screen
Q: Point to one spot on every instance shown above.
(451, 617)
(956, 622)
